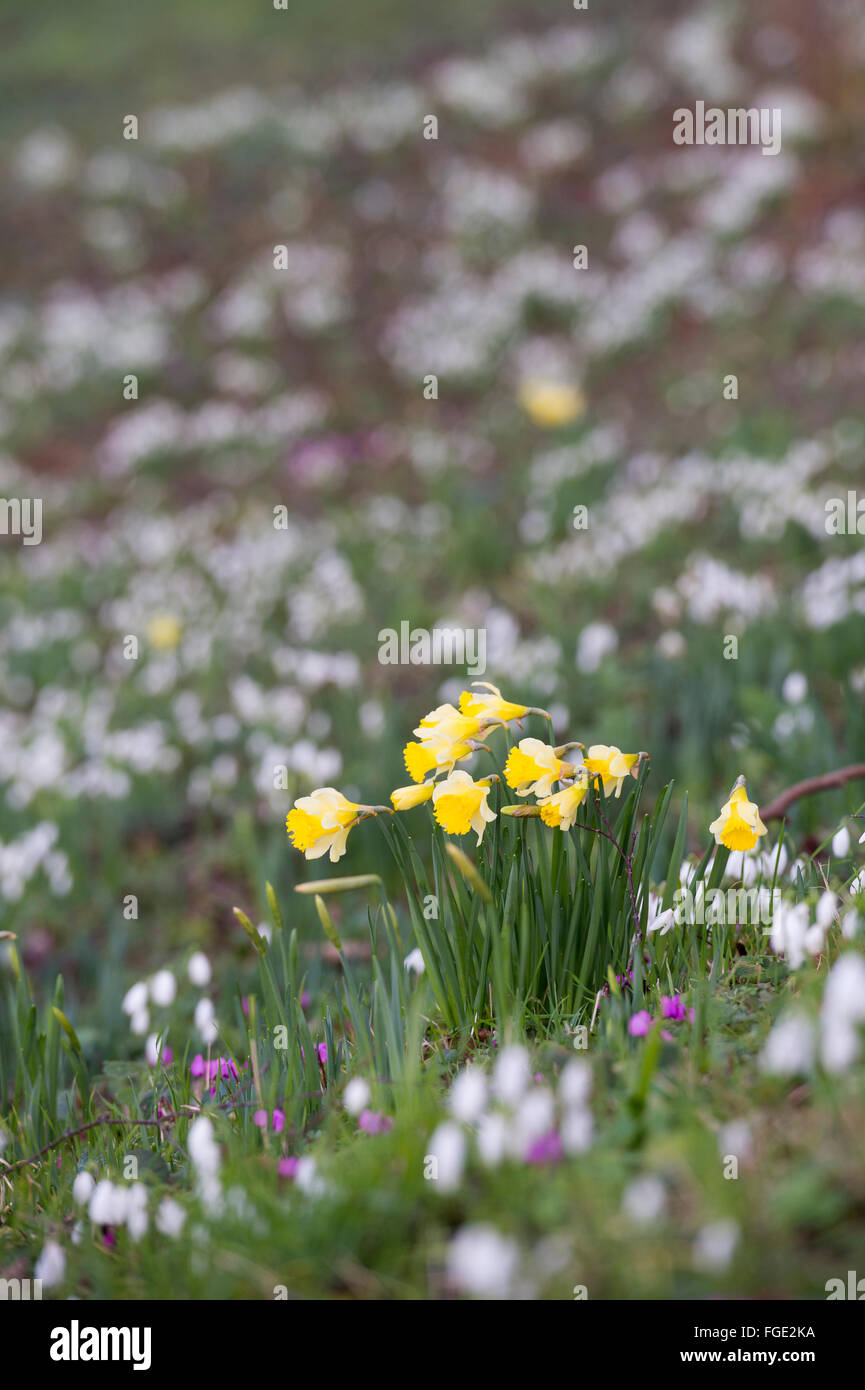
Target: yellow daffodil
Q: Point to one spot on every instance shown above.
(446, 724)
(610, 765)
(164, 632)
(560, 809)
(490, 706)
(551, 404)
(404, 798)
(320, 823)
(460, 805)
(438, 754)
(739, 826)
(532, 767)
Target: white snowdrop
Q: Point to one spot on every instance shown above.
(414, 961)
(107, 1204)
(795, 688)
(139, 1023)
(841, 843)
(468, 1095)
(715, 1246)
(512, 1074)
(789, 1048)
(492, 1138)
(170, 1217)
(576, 1131)
(135, 998)
(448, 1147)
(198, 969)
(163, 988)
(644, 1200)
(826, 905)
(82, 1187)
(483, 1262)
(575, 1082)
(51, 1265)
(356, 1095)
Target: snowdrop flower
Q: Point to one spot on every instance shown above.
(795, 688)
(135, 998)
(843, 1008)
(170, 1217)
(163, 988)
(575, 1083)
(198, 969)
(715, 1246)
(205, 1021)
(512, 1074)
(155, 1050)
(468, 1095)
(136, 1210)
(789, 926)
(448, 1147)
(51, 1265)
(492, 1138)
(644, 1200)
(577, 1131)
(533, 1118)
(483, 1262)
(789, 1049)
(107, 1204)
(82, 1187)
(826, 909)
(139, 1023)
(414, 961)
(841, 843)
(202, 1145)
(308, 1178)
(850, 924)
(356, 1095)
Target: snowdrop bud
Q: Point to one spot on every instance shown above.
(107, 1204)
(139, 1023)
(814, 940)
(153, 1050)
(198, 969)
(715, 1246)
(468, 1095)
(82, 1187)
(850, 924)
(826, 905)
(841, 843)
(414, 961)
(202, 1145)
(135, 998)
(644, 1200)
(512, 1074)
(481, 1261)
(308, 1178)
(356, 1095)
(534, 1117)
(575, 1083)
(163, 988)
(789, 1048)
(136, 1210)
(795, 688)
(448, 1147)
(51, 1265)
(576, 1131)
(170, 1217)
(492, 1138)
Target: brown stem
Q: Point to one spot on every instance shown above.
(775, 809)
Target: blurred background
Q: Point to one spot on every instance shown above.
(163, 388)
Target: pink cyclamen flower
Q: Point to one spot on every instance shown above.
(547, 1149)
(639, 1024)
(322, 1054)
(217, 1066)
(674, 1008)
(374, 1122)
(288, 1167)
(260, 1119)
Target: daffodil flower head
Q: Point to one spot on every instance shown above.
(560, 809)
(439, 754)
(739, 826)
(319, 823)
(493, 705)
(460, 805)
(532, 766)
(404, 798)
(610, 765)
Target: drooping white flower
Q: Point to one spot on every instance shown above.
(135, 998)
(644, 1200)
(512, 1074)
(447, 1147)
(356, 1095)
(715, 1246)
(483, 1262)
(163, 988)
(789, 1048)
(826, 905)
(492, 1138)
(170, 1217)
(414, 961)
(841, 843)
(575, 1082)
(198, 969)
(202, 1145)
(107, 1204)
(51, 1265)
(468, 1095)
(82, 1187)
